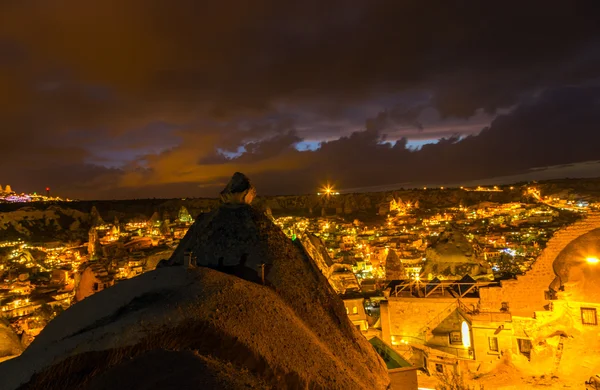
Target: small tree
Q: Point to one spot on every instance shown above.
(507, 266)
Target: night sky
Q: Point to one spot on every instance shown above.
(167, 98)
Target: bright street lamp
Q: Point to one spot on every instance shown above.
(592, 260)
(328, 190)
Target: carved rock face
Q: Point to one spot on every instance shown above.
(239, 190)
(580, 278)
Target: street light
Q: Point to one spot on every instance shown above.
(592, 260)
(328, 190)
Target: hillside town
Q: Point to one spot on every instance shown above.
(406, 256)
(39, 280)
(7, 195)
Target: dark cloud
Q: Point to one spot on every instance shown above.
(162, 95)
(558, 127)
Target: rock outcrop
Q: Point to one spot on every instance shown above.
(239, 190)
(394, 270)
(317, 250)
(10, 344)
(217, 325)
(92, 277)
(340, 276)
(577, 270)
(95, 217)
(452, 256)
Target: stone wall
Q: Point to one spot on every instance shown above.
(526, 294)
(404, 378)
(411, 319)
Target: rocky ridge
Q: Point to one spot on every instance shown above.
(29, 221)
(218, 320)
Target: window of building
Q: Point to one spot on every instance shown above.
(588, 316)
(525, 347)
(347, 311)
(96, 286)
(354, 310)
(439, 367)
(455, 338)
(493, 344)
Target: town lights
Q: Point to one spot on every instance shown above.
(592, 260)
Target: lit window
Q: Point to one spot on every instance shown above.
(347, 311)
(493, 344)
(465, 335)
(588, 316)
(355, 310)
(455, 338)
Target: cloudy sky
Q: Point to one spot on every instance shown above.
(167, 98)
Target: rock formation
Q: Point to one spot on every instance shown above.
(269, 212)
(577, 270)
(154, 219)
(164, 229)
(239, 190)
(452, 256)
(394, 270)
(92, 278)
(10, 344)
(95, 217)
(218, 325)
(184, 215)
(340, 276)
(317, 250)
(93, 244)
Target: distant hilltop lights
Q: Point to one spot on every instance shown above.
(328, 190)
(477, 189)
(8, 195)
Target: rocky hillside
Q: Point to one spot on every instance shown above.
(10, 344)
(53, 223)
(316, 249)
(44, 221)
(214, 325)
(71, 220)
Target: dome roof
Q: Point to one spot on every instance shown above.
(578, 270)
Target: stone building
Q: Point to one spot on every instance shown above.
(439, 323)
(544, 324)
(92, 278)
(93, 244)
(356, 312)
